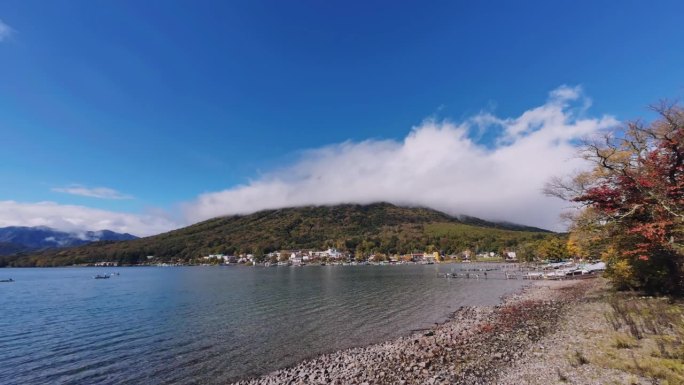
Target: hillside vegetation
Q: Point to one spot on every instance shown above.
(375, 228)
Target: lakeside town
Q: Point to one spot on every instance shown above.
(484, 265)
(330, 256)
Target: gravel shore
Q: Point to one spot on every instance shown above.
(608, 338)
(478, 345)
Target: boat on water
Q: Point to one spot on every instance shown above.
(101, 276)
(6, 280)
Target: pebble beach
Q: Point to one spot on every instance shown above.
(477, 345)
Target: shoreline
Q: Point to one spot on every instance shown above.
(473, 346)
(334, 263)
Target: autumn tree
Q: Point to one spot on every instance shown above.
(528, 251)
(633, 201)
(553, 248)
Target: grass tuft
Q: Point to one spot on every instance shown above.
(648, 340)
(578, 359)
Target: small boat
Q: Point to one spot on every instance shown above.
(7, 280)
(101, 276)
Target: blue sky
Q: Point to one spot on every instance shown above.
(158, 102)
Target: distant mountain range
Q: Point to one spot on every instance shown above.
(17, 239)
(378, 227)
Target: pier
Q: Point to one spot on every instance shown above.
(555, 271)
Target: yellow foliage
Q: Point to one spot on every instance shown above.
(619, 270)
(438, 258)
(573, 248)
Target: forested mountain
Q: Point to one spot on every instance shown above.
(15, 239)
(8, 248)
(379, 227)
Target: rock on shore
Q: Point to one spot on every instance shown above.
(473, 347)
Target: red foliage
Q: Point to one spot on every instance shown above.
(645, 196)
(513, 315)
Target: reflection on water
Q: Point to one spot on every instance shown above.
(211, 324)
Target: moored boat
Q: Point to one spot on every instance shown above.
(101, 276)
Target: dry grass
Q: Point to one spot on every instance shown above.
(607, 338)
(647, 339)
(578, 359)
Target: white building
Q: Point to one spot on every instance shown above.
(105, 263)
(296, 258)
(333, 253)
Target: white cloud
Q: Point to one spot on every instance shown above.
(94, 192)
(74, 218)
(5, 31)
(437, 165)
(565, 93)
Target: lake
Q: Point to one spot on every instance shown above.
(210, 325)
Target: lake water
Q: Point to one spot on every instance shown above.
(210, 325)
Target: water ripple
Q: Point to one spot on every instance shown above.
(210, 325)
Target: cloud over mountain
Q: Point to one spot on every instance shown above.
(73, 218)
(438, 165)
